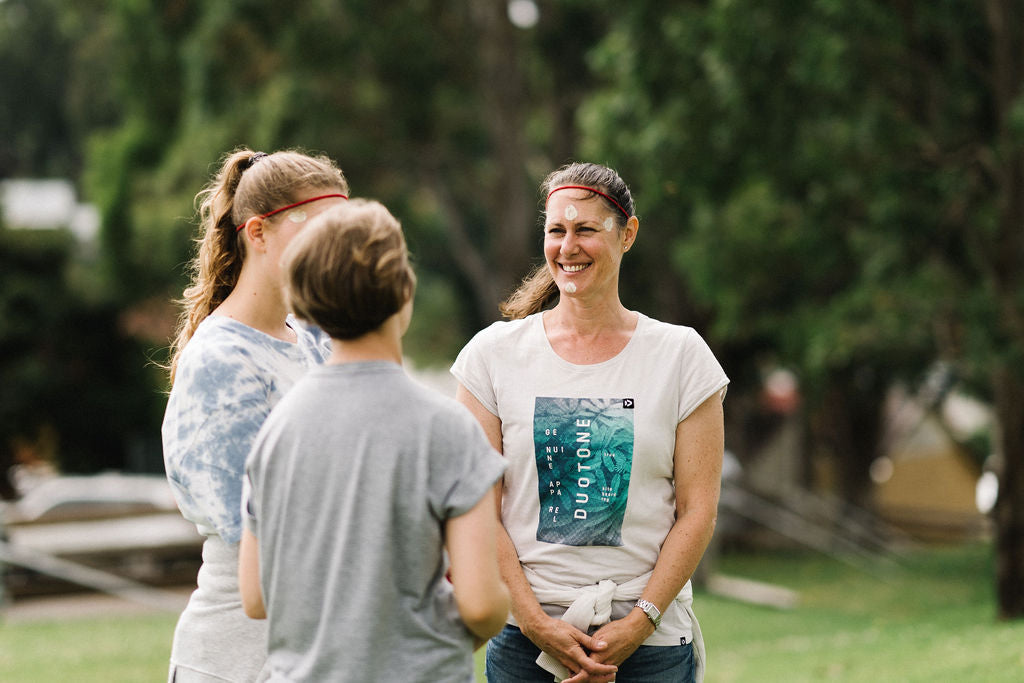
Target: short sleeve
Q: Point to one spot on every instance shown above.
(472, 369)
(701, 375)
(469, 466)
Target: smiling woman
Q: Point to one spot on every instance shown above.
(584, 182)
(612, 426)
(582, 250)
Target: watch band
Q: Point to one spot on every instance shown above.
(650, 610)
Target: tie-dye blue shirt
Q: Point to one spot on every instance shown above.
(229, 377)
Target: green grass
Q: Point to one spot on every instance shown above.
(126, 649)
(931, 620)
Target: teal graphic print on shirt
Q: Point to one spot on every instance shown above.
(584, 452)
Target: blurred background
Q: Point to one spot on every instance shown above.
(831, 192)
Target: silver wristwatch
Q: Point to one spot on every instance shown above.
(650, 610)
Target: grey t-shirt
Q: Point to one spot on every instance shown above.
(348, 488)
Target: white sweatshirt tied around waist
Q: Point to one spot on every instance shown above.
(592, 606)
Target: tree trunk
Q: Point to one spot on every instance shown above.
(7, 490)
(469, 257)
(1006, 22)
(1008, 382)
(846, 423)
(509, 198)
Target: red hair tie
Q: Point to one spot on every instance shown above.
(292, 206)
(589, 189)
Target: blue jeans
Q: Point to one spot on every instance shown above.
(512, 658)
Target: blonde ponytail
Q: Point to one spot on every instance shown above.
(247, 184)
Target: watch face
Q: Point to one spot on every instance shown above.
(652, 612)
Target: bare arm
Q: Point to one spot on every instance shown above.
(697, 469)
(480, 595)
(556, 637)
(249, 576)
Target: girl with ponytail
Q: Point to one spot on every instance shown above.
(237, 351)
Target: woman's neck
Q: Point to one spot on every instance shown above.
(585, 335)
(258, 304)
(586, 319)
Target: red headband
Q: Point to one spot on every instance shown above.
(292, 206)
(589, 189)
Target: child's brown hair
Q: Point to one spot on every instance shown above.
(348, 270)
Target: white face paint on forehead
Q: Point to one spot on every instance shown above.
(570, 212)
(609, 223)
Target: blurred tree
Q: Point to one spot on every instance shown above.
(850, 178)
(964, 97)
(34, 55)
(1002, 273)
(445, 111)
(31, 301)
(76, 388)
(67, 372)
(757, 179)
(140, 43)
(55, 59)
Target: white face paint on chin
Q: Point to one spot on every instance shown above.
(570, 212)
(570, 288)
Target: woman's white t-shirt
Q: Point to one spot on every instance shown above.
(589, 491)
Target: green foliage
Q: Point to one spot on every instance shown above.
(34, 55)
(755, 169)
(839, 185)
(66, 368)
(820, 175)
(433, 338)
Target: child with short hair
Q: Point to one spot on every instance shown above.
(361, 479)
